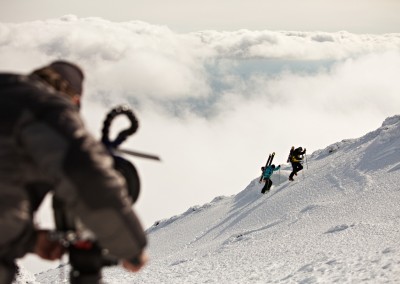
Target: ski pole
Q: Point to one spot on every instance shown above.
(138, 154)
(279, 175)
(306, 161)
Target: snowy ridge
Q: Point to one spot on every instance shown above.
(337, 222)
(162, 223)
(387, 124)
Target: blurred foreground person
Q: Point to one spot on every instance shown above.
(44, 147)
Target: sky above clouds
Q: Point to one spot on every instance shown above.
(216, 88)
(356, 16)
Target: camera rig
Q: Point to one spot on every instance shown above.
(86, 257)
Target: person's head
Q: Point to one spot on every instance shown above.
(273, 166)
(300, 148)
(65, 77)
(262, 168)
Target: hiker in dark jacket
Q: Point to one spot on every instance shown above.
(45, 147)
(267, 173)
(296, 157)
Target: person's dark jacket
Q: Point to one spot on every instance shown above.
(45, 146)
(297, 155)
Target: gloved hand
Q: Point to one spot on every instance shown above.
(137, 264)
(46, 248)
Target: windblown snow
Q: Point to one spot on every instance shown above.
(338, 222)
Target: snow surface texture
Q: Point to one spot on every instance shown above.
(338, 222)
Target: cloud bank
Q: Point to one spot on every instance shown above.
(214, 104)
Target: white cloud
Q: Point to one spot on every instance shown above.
(214, 104)
(296, 45)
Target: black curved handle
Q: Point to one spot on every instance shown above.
(124, 134)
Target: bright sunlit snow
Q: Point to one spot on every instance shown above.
(338, 222)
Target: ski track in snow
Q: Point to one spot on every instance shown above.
(338, 222)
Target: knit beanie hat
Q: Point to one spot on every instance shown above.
(64, 76)
(71, 73)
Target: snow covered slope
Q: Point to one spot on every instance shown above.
(339, 221)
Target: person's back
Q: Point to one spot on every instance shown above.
(296, 156)
(17, 169)
(267, 173)
(44, 146)
(21, 102)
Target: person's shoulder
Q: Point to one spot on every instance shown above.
(9, 78)
(13, 79)
(20, 84)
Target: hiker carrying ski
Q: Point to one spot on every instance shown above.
(295, 158)
(267, 173)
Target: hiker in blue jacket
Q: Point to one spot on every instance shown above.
(267, 173)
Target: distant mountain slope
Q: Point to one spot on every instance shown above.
(339, 221)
